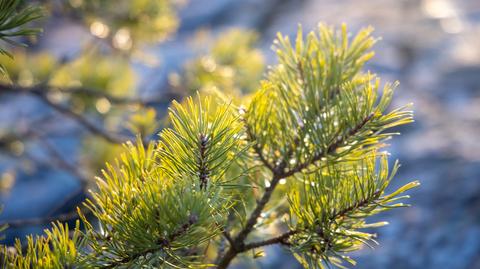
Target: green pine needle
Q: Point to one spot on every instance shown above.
(13, 24)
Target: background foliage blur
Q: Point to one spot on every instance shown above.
(105, 70)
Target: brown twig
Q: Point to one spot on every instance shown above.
(281, 239)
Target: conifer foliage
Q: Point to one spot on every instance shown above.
(13, 21)
(300, 165)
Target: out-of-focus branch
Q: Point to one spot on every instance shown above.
(59, 161)
(41, 92)
(151, 101)
(56, 160)
(79, 118)
(41, 220)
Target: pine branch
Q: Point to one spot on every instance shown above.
(13, 23)
(331, 148)
(227, 235)
(42, 91)
(162, 243)
(278, 173)
(252, 220)
(79, 118)
(202, 161)
(280, 239)
(257, 148)
(18, 223)
(60, 162)
(359, 204)
(237, 244)
(150, 101)
(314, 106)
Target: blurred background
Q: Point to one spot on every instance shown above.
(105, 70)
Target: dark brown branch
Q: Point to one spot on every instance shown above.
(277, 172)
(281, 239)
(227, 235)
(237, 245)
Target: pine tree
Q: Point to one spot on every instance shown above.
(300, 165)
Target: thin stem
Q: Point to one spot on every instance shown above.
(357, 205)
(228, 237)
(256, 147)
(281, 239)
(203, 173)
(81, 120)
